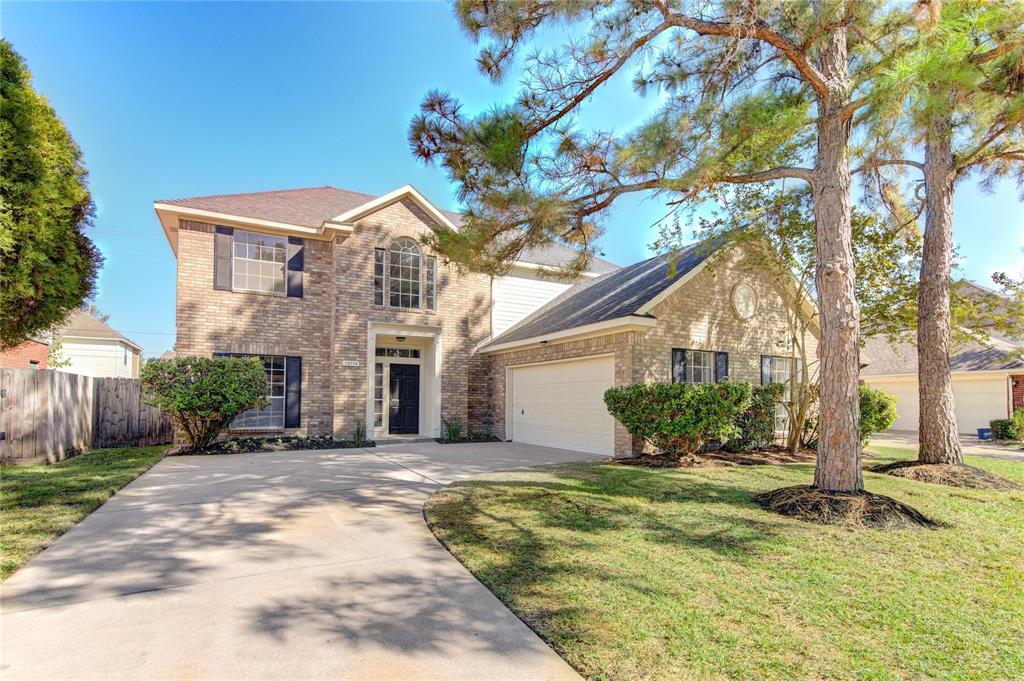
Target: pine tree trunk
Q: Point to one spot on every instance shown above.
(937, 429)
(838, 467)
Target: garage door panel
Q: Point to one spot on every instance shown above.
(562, 405)
(978, 400)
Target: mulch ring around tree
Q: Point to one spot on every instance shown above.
(947, 474)
(773, 455)
(862, 509)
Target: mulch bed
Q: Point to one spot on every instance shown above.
(247, 445)
(773, 455)
(944, 474)
(843, 508)
(471, 437)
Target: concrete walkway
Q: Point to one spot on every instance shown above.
(970, 444)
(296, 565)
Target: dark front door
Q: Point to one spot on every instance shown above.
(405, 399)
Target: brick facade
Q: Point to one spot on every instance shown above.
(697, 316)
(329, 326)
(1018, 391)
(31, 353)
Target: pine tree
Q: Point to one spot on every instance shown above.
(959, 95)
(752, 92)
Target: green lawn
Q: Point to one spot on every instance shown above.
(40, 503)
(635, 573)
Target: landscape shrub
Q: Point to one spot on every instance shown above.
(757, 424)
(452, 428)
(203, 394)
(680, 418)
(877, 412)
(1009, 429)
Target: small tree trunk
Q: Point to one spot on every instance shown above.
(839, 450)
(937, 429)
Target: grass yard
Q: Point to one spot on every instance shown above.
(40, 503)
(638, 573)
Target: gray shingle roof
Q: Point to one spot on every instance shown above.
(615, 295)
(893, 359)
(311, 206)
(83, 324)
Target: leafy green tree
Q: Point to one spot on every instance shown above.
(47, 264)
(959, 94)
(203, 394)
(750, 92)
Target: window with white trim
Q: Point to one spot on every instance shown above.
(259, 262)
(378, 395)
(379, 256)
(431, 283)
(271, 416)
(404, 273)
(412, 353)
(780, 370)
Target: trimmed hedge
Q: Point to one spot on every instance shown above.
(680, 418)
(877, 412)
(1009, 429)
(757, 424)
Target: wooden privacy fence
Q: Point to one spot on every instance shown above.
(51, 415)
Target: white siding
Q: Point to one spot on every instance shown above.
(96, 357)
(518, 294)
(979, 398)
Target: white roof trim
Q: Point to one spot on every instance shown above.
(526, 265)
(628, 323)
(122, 339)
(402, 192)
(675, 286)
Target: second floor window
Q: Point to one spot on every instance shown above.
(259, 262)
(403, 276)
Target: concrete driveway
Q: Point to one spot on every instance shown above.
(272, 566)
(969, 444)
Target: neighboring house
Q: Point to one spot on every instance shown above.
(92, 348)
(31, 354)
(988, 380)
(167, 354)
(357, 323)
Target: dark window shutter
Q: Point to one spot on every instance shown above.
(678, 365)
(766, 369)
(292, 391)
(296, 264)
(223, 244)
(721, 365)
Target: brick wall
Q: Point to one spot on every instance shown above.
(1018, 391)
(24, 355)
(698, 316)
(329, 324)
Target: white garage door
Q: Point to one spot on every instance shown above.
(979, 399)
(562, 405)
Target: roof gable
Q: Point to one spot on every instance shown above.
(81, 324)
(628, 291)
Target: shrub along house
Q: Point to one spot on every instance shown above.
(358, 324)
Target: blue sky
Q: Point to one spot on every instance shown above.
(188, 99)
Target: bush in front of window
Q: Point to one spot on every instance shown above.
(680, 418)
(877, 412)
(757, 424)
(203, 394)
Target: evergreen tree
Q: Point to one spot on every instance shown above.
(47, 264)
(751, 92)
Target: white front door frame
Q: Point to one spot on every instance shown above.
(430, 373)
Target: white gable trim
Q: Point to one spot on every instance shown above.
(405, 191)
(629, 323)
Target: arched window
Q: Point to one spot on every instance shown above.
(405, 262)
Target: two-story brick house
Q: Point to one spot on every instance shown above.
(358, 324)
